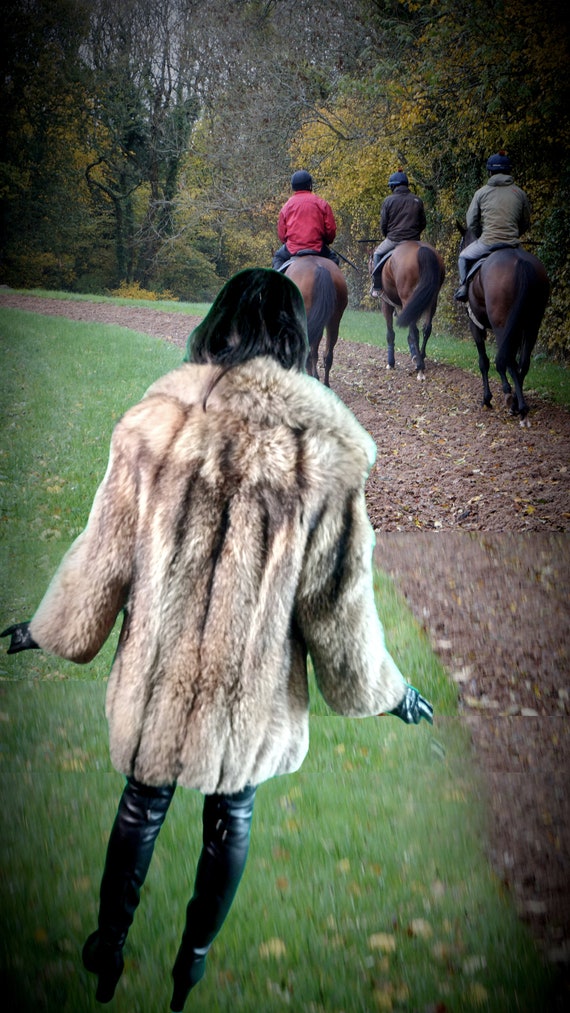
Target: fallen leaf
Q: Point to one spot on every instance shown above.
(478, 994)
(462, 674)
(273, 948)
(384, 941)
(420, 928)
(437, 889)
(474, 964)
(383, 1000)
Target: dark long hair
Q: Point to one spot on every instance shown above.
(258, 312)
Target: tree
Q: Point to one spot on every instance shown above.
(43, 204)
(441, 85)
(145, 71)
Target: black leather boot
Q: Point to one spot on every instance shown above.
(226, 833)
(140, 815)
(104, 961)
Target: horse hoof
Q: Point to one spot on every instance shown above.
(420, 375)
(390, 365)
(525, 423)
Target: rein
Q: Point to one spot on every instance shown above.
(346, 260)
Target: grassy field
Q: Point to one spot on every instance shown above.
(367, 889)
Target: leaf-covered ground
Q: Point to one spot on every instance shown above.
(472, 514)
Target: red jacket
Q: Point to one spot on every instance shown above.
(306, 222)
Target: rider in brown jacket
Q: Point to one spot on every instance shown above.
(402, 217)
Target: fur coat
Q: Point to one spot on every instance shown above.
(235, 540)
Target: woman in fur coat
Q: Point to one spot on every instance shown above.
(231, 531)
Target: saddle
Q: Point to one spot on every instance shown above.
(480, 260)
(300, 253)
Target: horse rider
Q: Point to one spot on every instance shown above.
(306, 222)
(499, 214)
(402, 217)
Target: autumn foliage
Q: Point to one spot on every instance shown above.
(154, 143)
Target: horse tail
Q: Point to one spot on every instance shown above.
(322, 303)
(526, 312)
(428, 286)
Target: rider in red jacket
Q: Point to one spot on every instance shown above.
(306, 222)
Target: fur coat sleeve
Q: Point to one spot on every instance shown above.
(337, 613)
(90, 587)
(235, 541)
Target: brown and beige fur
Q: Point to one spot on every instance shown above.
(236, 540)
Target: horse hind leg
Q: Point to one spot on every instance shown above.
(425, 338)
(332, 337)
(390, 335)
(517, 405)
(313, 361)
(520, 407)
(414, 346)
(523, 367)
(479, 338)
(427, 328)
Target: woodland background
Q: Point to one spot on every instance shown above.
(147, 146)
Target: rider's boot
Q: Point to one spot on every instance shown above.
(376, 282)
(226, 832)
(376, 276)
(460, 294)
(140, 815)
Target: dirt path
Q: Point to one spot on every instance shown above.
(472, 515)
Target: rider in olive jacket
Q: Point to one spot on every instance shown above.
(499, 214)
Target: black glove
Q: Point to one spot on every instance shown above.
(413, 708)
(22, 639)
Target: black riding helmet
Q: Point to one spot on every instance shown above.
(398, 179)
(301, 180)
(499, 163)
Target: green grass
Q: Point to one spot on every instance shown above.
(367, 886)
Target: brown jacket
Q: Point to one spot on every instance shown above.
(236, 540)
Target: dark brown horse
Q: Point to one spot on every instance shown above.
(411, 280)
(323, 287)
(508, 295)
